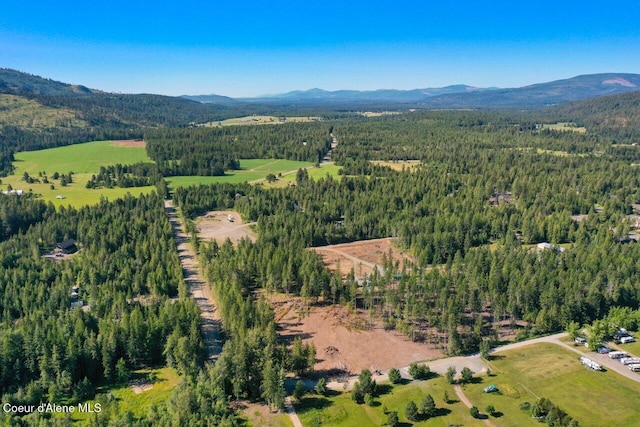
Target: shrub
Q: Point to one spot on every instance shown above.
(394, 376)
(411, 411)
(475, 412)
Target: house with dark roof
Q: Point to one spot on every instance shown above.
(66, 247)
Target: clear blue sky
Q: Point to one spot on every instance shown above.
(247, 48)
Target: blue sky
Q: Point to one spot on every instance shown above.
(248, 48)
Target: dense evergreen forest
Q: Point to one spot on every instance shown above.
(119, 303)
(211, 151)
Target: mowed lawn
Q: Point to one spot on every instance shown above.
(340, 410)
(83, 160)
(546, 370)
(252, 170)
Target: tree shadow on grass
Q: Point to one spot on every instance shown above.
(383, 389)
(497, 414)
(476, 380)
(442, 412)
(332, 393)
(312, 402)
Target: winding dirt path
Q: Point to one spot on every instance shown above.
(198, 287)
(467, 402)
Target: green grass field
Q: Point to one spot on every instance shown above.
(252, 170)
(547, 370)
(340, 410)
(82, 159)
(138, 404)
(315, 173)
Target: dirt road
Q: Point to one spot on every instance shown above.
(198, 287)
(467, 402)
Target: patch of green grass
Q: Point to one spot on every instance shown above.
(564, 127)
(259, 420)
(547, 370)
(82, 159)
(166, 380)
(340, 410)
(252, 170)
(79, 158)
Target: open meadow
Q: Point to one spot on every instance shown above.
(314, 172)
(83, 160)
(252, 170)
(546, 370)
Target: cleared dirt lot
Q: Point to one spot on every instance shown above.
(363, 256)
(215, 225)
(346, 340)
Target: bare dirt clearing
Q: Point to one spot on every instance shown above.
(129, 143)
(398, 165)
(363, 256)
(223, 225)
(138, 386)
(346, 340)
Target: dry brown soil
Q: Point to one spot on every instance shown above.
(215, 225)
(346, 339)
(362, 256)
(129, 143)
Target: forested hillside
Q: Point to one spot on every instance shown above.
(616, 115)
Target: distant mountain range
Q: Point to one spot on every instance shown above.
(196, 107)
(455, 96)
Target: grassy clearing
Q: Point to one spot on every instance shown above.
(261, 120)
(257, 415)
(340, 410)
(564, 127)
(252, 170)
(315, 173)
(547, 370)
(84, 160)
(166, 380)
